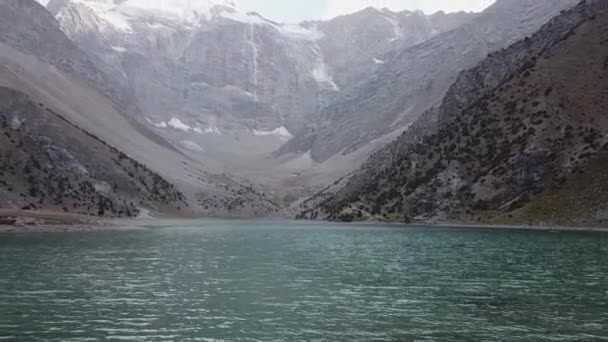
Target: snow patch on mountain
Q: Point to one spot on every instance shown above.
(379, 61)
(396, 29)
(322, 76)
(174, 123)
(184, 10)
(179, 6)
(192, 146)
(157, 125)
(299, 32)
(119, 13)
(212, 130)
(246, 18)
(281, 132)
(254, 61)
(178, 124)
(291, 31)
(106, 11)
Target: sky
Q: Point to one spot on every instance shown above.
(292, 11)
(300, 10)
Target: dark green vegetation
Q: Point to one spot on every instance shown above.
(527, 152)
(46, 162)
(237, 196)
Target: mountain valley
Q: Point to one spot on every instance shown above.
(114, 108)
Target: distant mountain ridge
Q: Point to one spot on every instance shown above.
(416, 78)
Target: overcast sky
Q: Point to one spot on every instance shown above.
(300, 10)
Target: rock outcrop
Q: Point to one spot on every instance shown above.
(520, 138)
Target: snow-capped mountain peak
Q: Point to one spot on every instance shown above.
(179, 9)
(119, 13)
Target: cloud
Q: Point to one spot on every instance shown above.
(334, 8)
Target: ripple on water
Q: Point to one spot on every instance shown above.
(316, 283)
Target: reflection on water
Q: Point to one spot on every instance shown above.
(211, 281)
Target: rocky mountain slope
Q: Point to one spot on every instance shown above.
(228, 87)
(414, 79)
(49, 163)
(28, 29)
(289, 106)
(69, 135)
(520, 138)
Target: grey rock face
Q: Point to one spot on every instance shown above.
(25, 25)
(355, 46)
(416, 78)
(238, 73)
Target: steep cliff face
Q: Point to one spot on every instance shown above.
(27, 27)
(416, 78)
(213, 80)
(58, 126)
(355, 46)
(521, 138)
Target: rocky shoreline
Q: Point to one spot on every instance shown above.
(15, 220)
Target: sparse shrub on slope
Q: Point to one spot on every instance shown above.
(511, 144)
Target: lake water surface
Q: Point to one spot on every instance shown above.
(255, 281)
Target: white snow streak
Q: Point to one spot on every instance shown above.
(322, 76)
(191, 12)
(299, 32)
(108, 13)
(183, 10)
(396, 29)
(281, 132)
(254, 61)
(291, 31)
(158, 125)
(174, 123)
(213, 130)
(177, 124)
(379, 61)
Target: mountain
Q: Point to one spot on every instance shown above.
(29, 29)
(228, 87)
(411, 80)
(240, 115)
(49, 163)
(520, 138)
(67, 130)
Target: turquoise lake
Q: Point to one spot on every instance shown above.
(285, 281)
